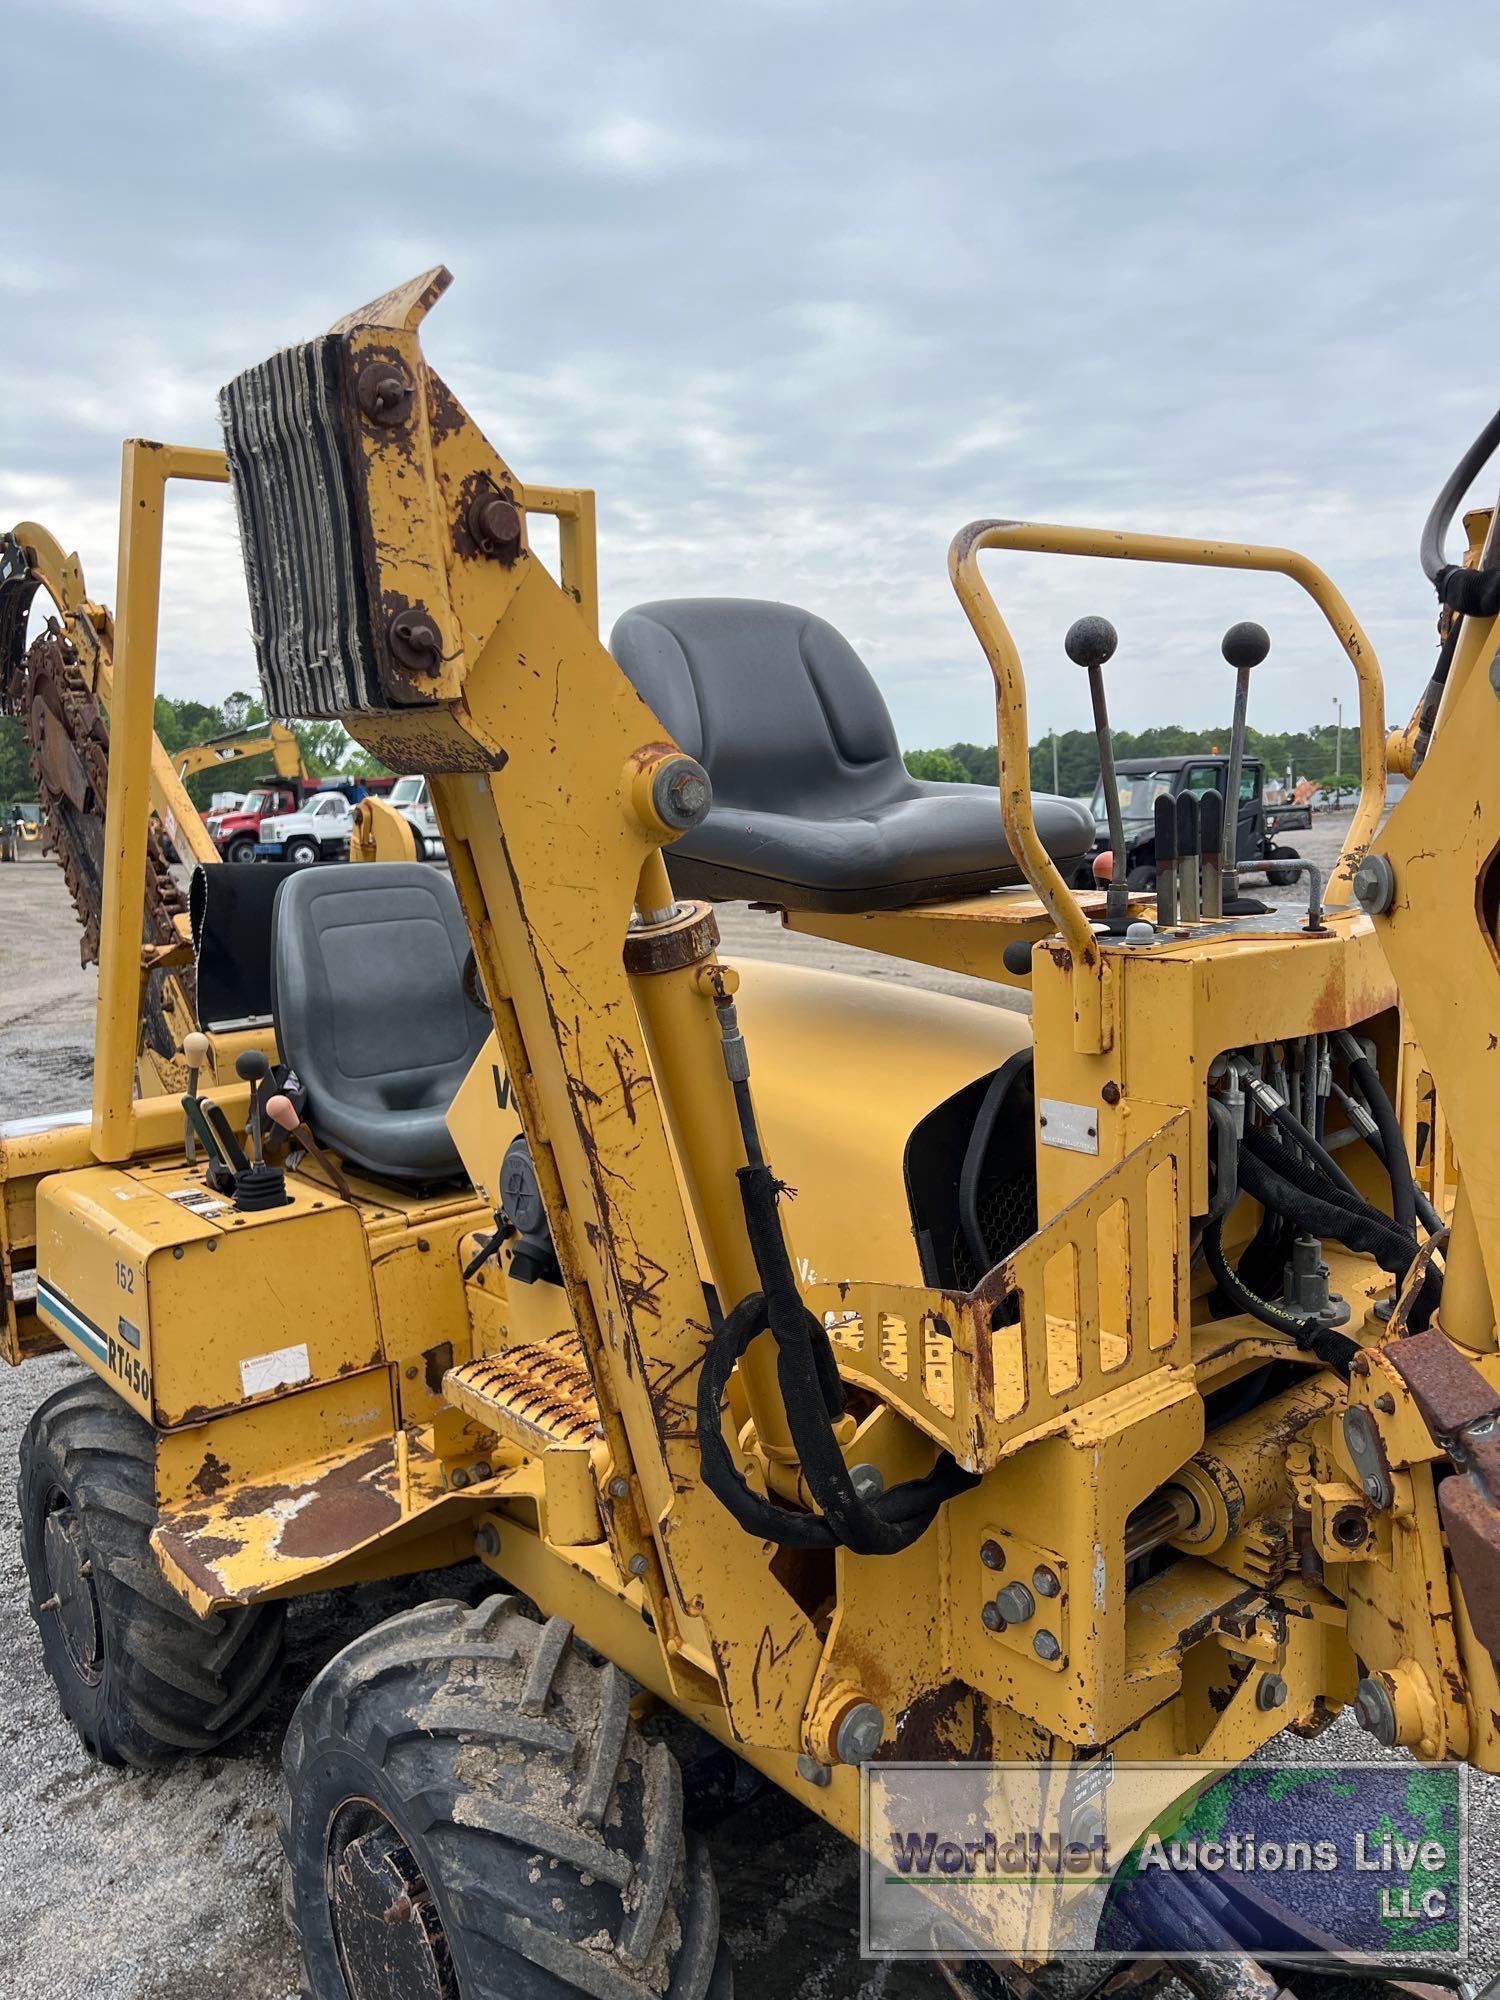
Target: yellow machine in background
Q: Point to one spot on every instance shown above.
(867, 1374)
(238, 745)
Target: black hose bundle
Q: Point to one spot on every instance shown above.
(1300, 1186)
(813, 1396)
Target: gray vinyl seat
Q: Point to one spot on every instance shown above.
(370, 1011)
(813, 808)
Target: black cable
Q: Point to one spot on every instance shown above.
(813, 1396)
(1397, 1164)
(1435, 565)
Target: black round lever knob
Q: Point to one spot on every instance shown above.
(252, 1066)
(1246, 645)
(1090, 642)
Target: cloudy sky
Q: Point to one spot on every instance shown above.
(800, 286)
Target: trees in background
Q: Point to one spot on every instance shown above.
(1310, 753)
(326, 747)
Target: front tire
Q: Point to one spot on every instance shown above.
(240, 851)
(141, 1677)
(302, 853)
(470, 1814)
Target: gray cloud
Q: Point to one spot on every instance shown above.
(800, 288)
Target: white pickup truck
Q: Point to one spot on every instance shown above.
(413, 801)
(318, 831)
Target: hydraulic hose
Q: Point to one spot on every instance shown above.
(813, 1396)
(1336, 1350)
(1469, 591)
(1392, 1138)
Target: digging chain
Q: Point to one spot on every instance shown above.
(67, 741)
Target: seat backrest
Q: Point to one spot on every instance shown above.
(739, 681)
(367, 992)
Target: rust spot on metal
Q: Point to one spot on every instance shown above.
(944, 1724)
(436, 1361)
(348, 1505)
(1446, 1387)
(211, 1477)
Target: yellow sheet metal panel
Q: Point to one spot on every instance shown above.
(188, 1306)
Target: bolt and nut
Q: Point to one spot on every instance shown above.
(1045, 1645)
(991, 1619)
(868, 1481)
(619, 1489)
(1376, 1711)
(1270, 1692)
(638, 1565)
(992, 1555)
(681, 793)
(858, 1735)
(1044, 1581)
(487, 1541)
(811, 1772)
(1016, 1603)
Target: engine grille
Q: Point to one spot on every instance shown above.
(290, 471)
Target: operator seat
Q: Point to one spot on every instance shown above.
(368, 999)
(813, 808)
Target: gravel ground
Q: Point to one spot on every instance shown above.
(122, 1887)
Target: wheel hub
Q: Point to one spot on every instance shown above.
(390, 1936)
(71, 1598)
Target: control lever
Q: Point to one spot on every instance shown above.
(219, 1172)
(1090, 643)
(1211, 841)
(1165, 850)
(1244, 646)
(195, 1048)
(281, 1111)
(1189, 903)
(252, 1067)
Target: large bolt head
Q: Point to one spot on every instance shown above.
(681, 793)
(1245, 645)
(1376, 1712)
(1016, 1603)
(1374, 885)
(1089, 642)
(1270, 1692)
(859, 1734)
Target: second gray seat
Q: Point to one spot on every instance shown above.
(368, 1001)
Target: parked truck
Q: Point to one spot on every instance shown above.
(1143, 780)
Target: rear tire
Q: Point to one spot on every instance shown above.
(141, 1677)
(240, 850)
(419, 846)
(470, 1814)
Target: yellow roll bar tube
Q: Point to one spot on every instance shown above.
(144, 472)
(1042, 538)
